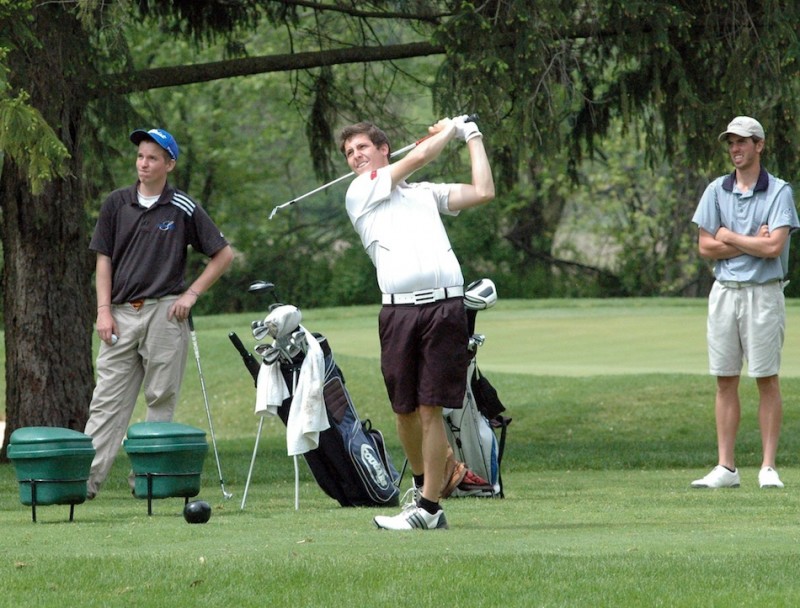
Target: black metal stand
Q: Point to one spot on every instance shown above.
(150, 477)
(34, 483)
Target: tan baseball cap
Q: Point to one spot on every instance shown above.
(743, 126)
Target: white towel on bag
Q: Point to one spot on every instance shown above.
(307, 416)
(271, 390)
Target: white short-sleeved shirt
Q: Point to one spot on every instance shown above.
(770, 202)
(402, 231)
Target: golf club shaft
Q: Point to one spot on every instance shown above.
(470, 118)
(314, 191)
(205, 400)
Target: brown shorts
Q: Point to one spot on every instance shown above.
(424, 356)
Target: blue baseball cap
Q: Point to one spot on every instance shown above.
(161, 137)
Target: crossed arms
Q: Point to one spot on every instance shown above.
(727, 244)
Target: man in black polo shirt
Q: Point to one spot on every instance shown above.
(141, 240)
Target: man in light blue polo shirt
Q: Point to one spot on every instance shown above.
(744, 220)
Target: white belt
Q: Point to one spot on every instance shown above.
(742, 284)
(424, 296)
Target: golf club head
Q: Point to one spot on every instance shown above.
(259, 329)
(480, 295)
(475, 341)
(299, 341)
(268, 353)
(261, 287)
(286, 347)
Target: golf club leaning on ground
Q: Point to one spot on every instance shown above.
(227, 495)
(470, 118)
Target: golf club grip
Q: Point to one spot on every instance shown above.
(469, 118)
(250, 362)
(190, 321)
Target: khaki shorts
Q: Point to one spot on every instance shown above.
(746, 323)
(424, 356)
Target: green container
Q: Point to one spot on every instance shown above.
(56, 460)
(169, 456)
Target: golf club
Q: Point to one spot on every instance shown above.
(259, 287)
(470, 118)
(227, 495)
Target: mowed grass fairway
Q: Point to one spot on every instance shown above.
(612, 418)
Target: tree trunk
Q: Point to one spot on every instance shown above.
(47, 266)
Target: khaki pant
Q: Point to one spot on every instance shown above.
(150, 354)
(746, 323)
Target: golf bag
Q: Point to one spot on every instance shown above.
(472, 430)
(351, 463)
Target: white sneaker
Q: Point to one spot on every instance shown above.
(411, 497)
(719, 477)
(413, 518)
(768, 478)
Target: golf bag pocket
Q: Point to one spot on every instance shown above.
(486, 399)
(363, 447)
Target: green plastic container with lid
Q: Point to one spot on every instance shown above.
(167, 458)
(56, 460)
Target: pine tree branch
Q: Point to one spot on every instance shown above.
(354, 12)
(155, 78)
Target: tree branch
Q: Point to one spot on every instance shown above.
(353, 12)
(156, 78)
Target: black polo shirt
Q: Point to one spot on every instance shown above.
(148, 247)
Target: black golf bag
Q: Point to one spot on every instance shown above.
(351, 463)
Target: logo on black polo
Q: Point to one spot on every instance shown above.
(167, 225)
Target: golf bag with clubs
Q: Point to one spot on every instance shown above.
(472, 430)
(351, 463)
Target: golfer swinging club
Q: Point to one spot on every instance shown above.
(422, 324)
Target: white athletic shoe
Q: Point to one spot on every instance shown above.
(411, 497)
(768, 478)
(719, 477)
(413, 518)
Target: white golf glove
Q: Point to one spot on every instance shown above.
(466, 130)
